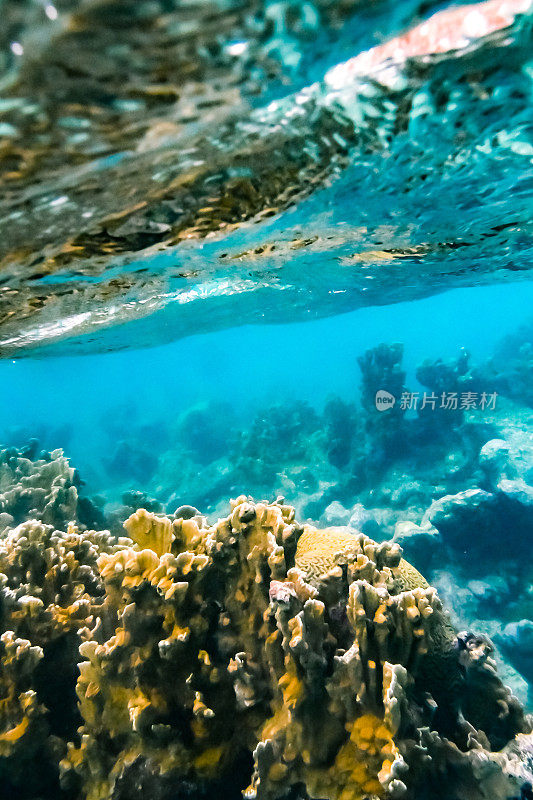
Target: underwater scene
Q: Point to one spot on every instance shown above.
(266, 407)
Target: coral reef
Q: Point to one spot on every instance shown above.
(201, 659)
(41, 486)
(446, 382)
(381, 369)
(472, 543)
(393, 463)
(341, 428)
(510, 368)
(255, 652)
(49, 583)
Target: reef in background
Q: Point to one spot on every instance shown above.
(40, 485)
(447, 484)
(255, 652)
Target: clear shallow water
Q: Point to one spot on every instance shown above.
(247, 367)
(224, 240)
(89, 405)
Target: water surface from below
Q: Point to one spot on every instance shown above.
(305, 199)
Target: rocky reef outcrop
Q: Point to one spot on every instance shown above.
(255, 654)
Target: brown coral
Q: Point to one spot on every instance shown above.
(49, 586)
(323, 653)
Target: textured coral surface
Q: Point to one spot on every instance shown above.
(253, 655)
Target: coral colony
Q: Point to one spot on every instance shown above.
(257, 656)
(254, 656)
(366, 632)
(188, 660)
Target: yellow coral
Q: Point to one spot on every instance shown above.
(317, 552)
(17, 707)
(207, 762)
(150, 531)
(362, 765)
(256, 635)
(15, 733)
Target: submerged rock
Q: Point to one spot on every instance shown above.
(516, 641)
(335, 514)
(494, 459)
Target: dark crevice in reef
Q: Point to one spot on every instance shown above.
(37, 778)
(141, 781)
(55, 683)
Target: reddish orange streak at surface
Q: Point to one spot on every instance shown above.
(451, 29)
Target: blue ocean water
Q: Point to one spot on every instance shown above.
(64, 400)
(277, 250)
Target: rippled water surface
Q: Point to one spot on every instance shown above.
(223, 162)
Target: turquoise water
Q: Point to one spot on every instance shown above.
(266, 254)
(64, 400)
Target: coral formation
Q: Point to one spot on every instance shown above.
(49, 584)
(445, 378)
(253, 652)
(510, 368)
(190, 659)
(348, 452)
(41, 486)
(381, 369)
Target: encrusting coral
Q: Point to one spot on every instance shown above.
(324, 654)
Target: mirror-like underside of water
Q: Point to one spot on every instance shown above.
(214, 162)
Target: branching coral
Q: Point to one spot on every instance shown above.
(256, 651)
(326, 655)
(50, 579)
(42, 489)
